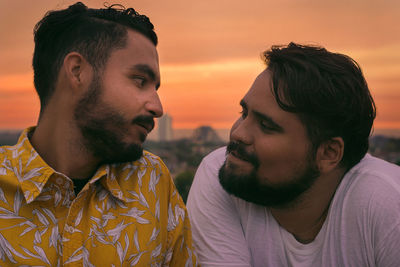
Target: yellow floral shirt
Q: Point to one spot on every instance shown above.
(127, 215)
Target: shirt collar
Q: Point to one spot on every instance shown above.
(30, 169)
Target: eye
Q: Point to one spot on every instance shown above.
(139, 80)
(266, 126)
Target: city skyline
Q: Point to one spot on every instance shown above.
(210, 52)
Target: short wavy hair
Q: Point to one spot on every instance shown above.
(93, 33)
(329, 94)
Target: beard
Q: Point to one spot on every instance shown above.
(103, 128)
(249, 187)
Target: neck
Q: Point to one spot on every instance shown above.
(305, 218)
(59, 143)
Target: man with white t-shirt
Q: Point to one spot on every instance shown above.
(294, 186)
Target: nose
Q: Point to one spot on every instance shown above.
(241, 132)
(154, 105)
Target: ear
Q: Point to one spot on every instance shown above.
(329, 154)
(77, 70)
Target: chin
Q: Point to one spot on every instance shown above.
(138, 138)
(129, 153)
(237, 170)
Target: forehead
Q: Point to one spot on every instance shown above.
(260, 96)
(139, 50)
(260, 99)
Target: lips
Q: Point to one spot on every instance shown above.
(146, 122)
(237, 155)
(147, 126)
(238, 150)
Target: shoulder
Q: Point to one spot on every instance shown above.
(5, 165)
(2, 153)
(147, 174)
(217, 156)
(148, 162)
(377, 166)
(206, 176)
(213, 161)
(372, 186)
(376, 175)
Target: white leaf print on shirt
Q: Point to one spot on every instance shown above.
(134, 258)
(156, 252)
(31, 227)
(43, 198)
(57, 197)
(2, 197)
(126, 244)
(139, 197)
(140, 175)
(9, 214)
(189, 259)
(168, 257)
(33, 155)
(86, 262)
(42, 254)
(38, 238)
(179, 212)
(41, 217)
(54, 237)
(50, 214)
(154, 161)
(142, 200)
(120, 252)
(154, 234)
(8, 250)
(17, 201)
(27, 251)
(136, 240)
(171, 219)
(75, 256)
(16, 153)
(79, 217)
(30, 174)
(154, 179)
(157, 210)
(131, 172)
(115, 233)
(136, 213)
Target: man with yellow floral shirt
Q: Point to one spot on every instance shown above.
(77, 189)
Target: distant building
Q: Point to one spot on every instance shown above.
(165, 132)
(205, 134)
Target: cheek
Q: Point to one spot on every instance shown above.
(279, 159)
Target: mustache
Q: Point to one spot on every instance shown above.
(143, 119)
(241, 151)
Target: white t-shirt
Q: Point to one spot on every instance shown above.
(362, 227)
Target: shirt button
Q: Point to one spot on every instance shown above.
(59, 180)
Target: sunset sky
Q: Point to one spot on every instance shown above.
(210, 51)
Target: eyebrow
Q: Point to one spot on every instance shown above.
(264, 117)
(148, 71)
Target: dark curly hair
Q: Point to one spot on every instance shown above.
(329, 94)
(93, 33)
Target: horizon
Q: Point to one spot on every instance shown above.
(223, 133)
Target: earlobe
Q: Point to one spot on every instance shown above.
(330, 154)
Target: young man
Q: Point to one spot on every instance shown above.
(295, 187)
(77, 189)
